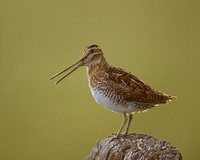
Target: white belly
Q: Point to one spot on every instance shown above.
(111, 104)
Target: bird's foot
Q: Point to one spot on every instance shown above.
(125, 134)
(115, 136)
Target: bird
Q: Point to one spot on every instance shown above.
(114, 88)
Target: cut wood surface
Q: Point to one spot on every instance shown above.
(133, 147)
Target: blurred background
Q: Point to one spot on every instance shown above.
(156, 40)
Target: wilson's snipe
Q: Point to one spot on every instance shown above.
(114, 88)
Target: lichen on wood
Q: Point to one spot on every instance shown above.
(133, 147)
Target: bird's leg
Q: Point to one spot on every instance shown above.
(128, 125)
(122, 126)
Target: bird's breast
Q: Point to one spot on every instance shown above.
(110, 101)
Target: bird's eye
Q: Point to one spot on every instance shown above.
(95, 56)
(92, 50)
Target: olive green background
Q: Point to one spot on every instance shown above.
(157, 40)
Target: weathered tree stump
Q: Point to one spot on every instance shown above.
(133, 147)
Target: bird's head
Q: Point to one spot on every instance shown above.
(91, 55)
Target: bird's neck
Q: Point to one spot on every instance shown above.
(96, 72)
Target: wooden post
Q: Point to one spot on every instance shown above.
(133, 147)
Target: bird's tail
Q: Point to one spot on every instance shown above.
(170, 98)
(164, 98)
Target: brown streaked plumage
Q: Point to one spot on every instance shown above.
(114, 88)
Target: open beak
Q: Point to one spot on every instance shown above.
(77, 64)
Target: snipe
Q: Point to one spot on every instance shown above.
(114, 88)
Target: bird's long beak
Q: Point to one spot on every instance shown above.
(77, 64)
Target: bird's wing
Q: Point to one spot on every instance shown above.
(132, 89)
